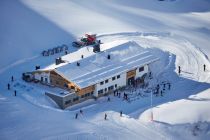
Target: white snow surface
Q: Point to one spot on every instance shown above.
(177, 31)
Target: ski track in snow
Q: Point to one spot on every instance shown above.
(189, 56)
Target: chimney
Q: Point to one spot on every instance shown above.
(108, 56)
(78, 64)
(57, 61)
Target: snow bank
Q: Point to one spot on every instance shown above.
(191, 110)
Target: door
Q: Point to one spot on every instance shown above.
(130, 81)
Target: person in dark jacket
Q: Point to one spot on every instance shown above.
(120, 113)
(12, 78)
(105, 116)
(8, 86)
(81, 112)
(204, 67)
(15, 92)
(169, 86)
(179, 70)
(76, 115)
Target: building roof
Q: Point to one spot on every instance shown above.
(97, 67)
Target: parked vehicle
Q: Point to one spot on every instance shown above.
(89, 39)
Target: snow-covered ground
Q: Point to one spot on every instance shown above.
(177, 31)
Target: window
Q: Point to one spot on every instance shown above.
(100, 91)
(113, 78)
(115, 85)
(101, 83)
(110, 88)
(87, 94)
(82, 96)
(106, 81)
(76, 99)
(68, 102)
(141, 69)
(118, 76)
(91, 93)
(41, 79)
(45, 79)
(105, 89)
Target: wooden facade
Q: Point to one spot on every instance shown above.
(131, 73)
(58, 80)
(88, 89)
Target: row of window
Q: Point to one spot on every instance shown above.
(77, 98)
(44, 79)
(74, 100)
(107, 80)
(87, 94)
(109, 89)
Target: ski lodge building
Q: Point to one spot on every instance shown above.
(96, 75)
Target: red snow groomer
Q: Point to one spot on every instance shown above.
(89, 39)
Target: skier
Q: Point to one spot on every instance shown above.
(119, 94)
(120, 113)
(204, 67)
(124, 95)
(76, 116)
(15, 92)
(161, 93)
(82, 56)
(8, 86)
(150, 75)
(81, 112)
(158, 87)
(179, 70)
(105, 116)
(12, 78)
(169, 86)
(66, 52)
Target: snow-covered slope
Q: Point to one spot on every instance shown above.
(177, 31)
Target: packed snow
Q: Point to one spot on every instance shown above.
(176, 31)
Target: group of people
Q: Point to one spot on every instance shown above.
(8, 86)
(81, 113)
(159, 89)
(179, 68)
(117, 93)
(105, 115)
